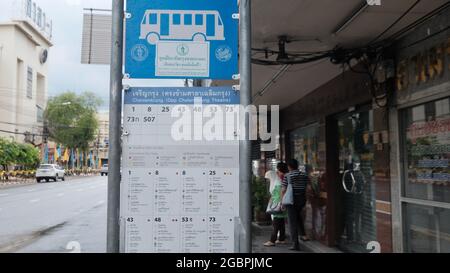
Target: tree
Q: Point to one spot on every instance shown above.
(11, 153)
(8, 153)
(71, 119)
(28, 156)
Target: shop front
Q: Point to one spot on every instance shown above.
(424, 195)
(426, 148)
(356, 155)
(309, 151)
(420, 156)
(340, 138)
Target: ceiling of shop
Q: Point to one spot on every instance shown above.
(310, 25)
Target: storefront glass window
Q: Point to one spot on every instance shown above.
(427, 229)
(304, 143)
(427, 151)
(356, 159)
(306, 149)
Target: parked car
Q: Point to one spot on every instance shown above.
(104, 170)
(49, 172)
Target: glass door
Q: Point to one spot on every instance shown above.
(356, 172)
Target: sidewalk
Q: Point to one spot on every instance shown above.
(261, 234)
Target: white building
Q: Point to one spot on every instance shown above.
(25, 40)
(102, 140)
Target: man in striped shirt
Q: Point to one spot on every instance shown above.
(299, 181)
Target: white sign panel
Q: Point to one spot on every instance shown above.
(180, 58)
(179, 195)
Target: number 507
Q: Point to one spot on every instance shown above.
(149, 119)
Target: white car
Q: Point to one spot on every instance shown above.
(104, 170)
(49, 172)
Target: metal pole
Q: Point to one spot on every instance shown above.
(198, 83)
(245, 145)
(115, 127)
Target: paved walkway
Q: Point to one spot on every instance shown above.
(261, 234)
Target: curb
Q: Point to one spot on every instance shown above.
(8, 185)
(13, 184)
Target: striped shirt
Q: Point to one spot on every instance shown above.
(299, 182)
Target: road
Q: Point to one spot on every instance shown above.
(54, 217)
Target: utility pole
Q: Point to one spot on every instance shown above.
(198, 83)
(115, 128)
(245, 144)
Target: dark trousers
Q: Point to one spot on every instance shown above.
(278, 227)
(295, 217)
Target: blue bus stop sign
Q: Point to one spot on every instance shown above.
(179, 39)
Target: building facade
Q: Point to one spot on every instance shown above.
(101, 145)
(25, 40)
(340, 134)
(380, 167)
(420, 139)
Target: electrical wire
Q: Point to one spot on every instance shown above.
(291, 61)
(25, 134)
(313, 56)
(418, 22)
(426, 38)
(396, 22)
(21, 124)
(363, 55)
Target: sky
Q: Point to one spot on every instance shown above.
(65, 69)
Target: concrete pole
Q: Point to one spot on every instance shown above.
(115, 128)
(198, 83)
(245, 145)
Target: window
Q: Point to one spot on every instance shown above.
(20, 79)
(426, 149)
(39, 17)
(220, 21)
(33, 13)
(304, 145)
(30, 83)
(153, 18)
(28, 8)
(427, 229)
(188, 19)
(426, 176)
(199, 19)
(40, 89)
(176, 19)
(39, 114)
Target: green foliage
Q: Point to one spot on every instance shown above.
(72, 119)
(12, 153)
(28, 156)
(8, 152)
(260, 193)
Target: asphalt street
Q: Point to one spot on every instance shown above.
(56, 217)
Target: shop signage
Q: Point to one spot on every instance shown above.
(430, 128)
(426, 66)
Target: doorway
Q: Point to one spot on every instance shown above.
(358, 200)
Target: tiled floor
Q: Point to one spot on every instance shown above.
(261, 234)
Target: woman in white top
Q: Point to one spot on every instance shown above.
(278, 219)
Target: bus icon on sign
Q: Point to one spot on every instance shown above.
(188, 25)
